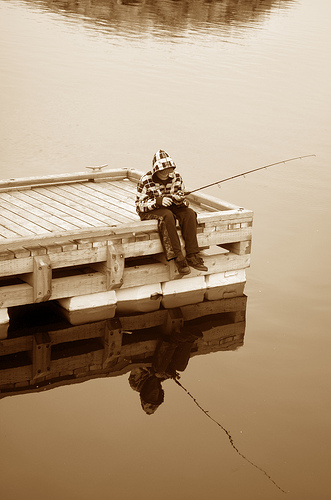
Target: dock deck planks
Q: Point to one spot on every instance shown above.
(48, 221)
(37, 209)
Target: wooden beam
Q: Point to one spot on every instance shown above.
(225, 216)
(65, 236)
(28, 182)
(134, 175)
(66, 366)
(141, 321)
(207, 239)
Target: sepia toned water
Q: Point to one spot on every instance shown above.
(224, 87)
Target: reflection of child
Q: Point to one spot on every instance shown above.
(172, 353)
(144, 381)
(160, 195)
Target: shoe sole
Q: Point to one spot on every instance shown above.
(200, 269)
(184, 273)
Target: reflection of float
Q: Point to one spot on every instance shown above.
(37, 358)
(76, 239)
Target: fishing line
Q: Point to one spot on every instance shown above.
(248, 172)
(229, 436)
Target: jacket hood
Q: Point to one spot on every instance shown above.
(161, 161)
(138, 376)
(151, 391)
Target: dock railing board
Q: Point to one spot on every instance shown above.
(57, 239)
(42, 357)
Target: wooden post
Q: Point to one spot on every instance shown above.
(113, 267)
(4, 323)
(41, 355)
(42, 278)
(112, 340)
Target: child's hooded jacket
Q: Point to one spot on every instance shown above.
(151, 190)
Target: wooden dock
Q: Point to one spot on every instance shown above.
(78, 234)
(38, 358)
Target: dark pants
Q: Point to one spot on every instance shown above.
(167, 218)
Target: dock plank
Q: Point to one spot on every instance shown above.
(111, 207)
(45, 211)
(120, 192)
(9, 221)
(7, 233)
(109, 216)
(127, 187)
(65, 212)
(25, 211)
(111, 190)
(110, 196)
(24, 202)
(72, 206)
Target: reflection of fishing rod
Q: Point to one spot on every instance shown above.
(248, 172)
(229, 436)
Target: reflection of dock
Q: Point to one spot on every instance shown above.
(42, 357)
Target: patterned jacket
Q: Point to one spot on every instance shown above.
(151, 190)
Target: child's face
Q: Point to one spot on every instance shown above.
(164, 174)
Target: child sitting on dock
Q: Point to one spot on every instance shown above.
(160, 195)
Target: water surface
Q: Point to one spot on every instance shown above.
(223, 87)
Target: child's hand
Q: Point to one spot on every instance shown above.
(166, 201)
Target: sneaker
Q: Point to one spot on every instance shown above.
(194, 260)
(182, 265)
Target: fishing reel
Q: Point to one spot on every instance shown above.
(179, 196)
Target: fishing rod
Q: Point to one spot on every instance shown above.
(248, 172)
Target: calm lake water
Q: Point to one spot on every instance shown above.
(224, 87)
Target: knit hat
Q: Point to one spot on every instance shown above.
(161, 161)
